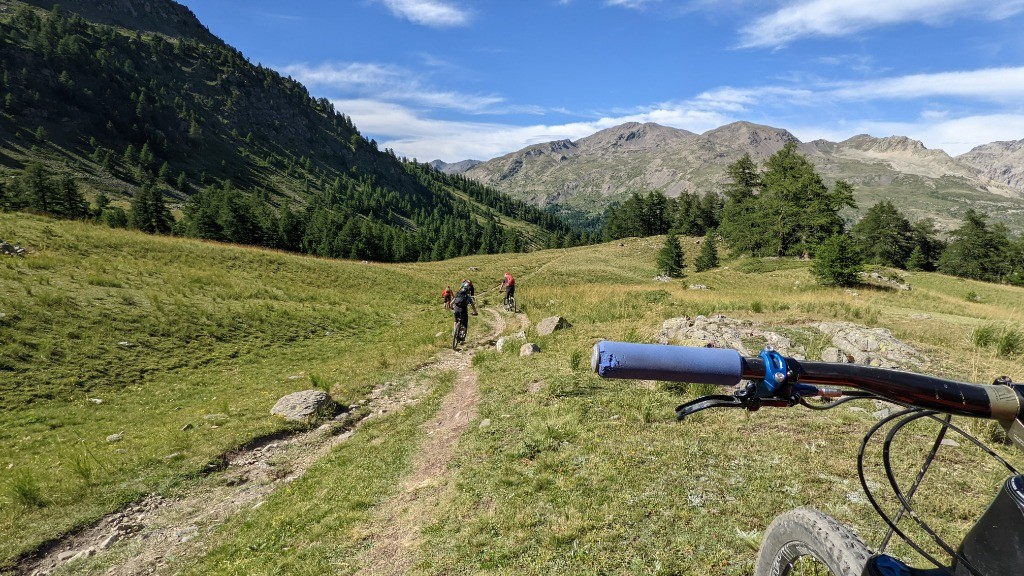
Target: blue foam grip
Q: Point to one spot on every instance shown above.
(659, 362)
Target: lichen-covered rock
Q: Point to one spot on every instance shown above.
(299, 406)
(723, 332)
(871, 346)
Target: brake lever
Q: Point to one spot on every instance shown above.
(712, 401)
(748, 398)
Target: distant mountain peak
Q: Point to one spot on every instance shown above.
(886, 144)
(454, 167)
(165, 17)
(634, 135)
(759, 140)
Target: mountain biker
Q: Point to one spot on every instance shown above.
(460, 306)
(509, 284)
(447, 296)
(467, 285)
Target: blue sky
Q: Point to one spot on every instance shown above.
(458, 79)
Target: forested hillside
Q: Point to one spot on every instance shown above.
(181, 133)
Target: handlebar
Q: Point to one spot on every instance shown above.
(727, 367)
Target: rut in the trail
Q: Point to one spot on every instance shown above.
(147, 534)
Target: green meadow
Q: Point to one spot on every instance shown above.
(108, 332)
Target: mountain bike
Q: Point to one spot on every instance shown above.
(807, 541)
(458, 333)
(510, 303)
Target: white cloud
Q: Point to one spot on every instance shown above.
(390, 83)
(410, 134)
(396, 111)
(999, 84)
(833, 18)
(634, 4)
(428, 12)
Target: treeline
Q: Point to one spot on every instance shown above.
(784, 208)
(654, 214)
(562, 234)
(347, 222)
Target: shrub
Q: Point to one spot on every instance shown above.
(837, 262)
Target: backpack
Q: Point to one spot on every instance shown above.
(460, 299)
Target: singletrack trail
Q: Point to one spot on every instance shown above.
(159, 534)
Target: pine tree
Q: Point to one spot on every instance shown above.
(917, 260)
(884, 236)
(708, 257)
(836, 262)
(71, 201)
(671, 259)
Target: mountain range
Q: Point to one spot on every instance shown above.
(588, 174)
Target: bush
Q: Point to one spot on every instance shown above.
(837, 262)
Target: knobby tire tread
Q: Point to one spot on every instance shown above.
(809, 532)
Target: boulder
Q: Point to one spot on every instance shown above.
(549, 325)
(528, 349)
(299, 406)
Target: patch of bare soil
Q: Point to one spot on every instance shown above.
(157, 533)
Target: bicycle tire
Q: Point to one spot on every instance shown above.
(803, 540)
(455, 335)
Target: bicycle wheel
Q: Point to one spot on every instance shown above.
(455, 335)
(807, 541)
(511, 304)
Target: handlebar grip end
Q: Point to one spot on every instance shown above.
(661, 362)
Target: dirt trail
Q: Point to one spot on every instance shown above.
(144, 537)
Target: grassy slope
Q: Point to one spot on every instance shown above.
(580, 475)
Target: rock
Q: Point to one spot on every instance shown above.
(883, 413)
(109, 541)
(485, 423)
(187, 427)
(67, 555)
(528, 349)
(698, 287)
(832, 354)
(299, 406)
(125, 343)
(88, 552)
(115, 437)
(549, 325)
(949, 442)
(96, 400)
(871, 346)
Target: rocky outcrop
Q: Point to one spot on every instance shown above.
(848, 342)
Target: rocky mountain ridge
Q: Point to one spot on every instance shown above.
(999, 162)
(165, 17)
(589, 174)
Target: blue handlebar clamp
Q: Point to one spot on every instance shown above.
(776, 372)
